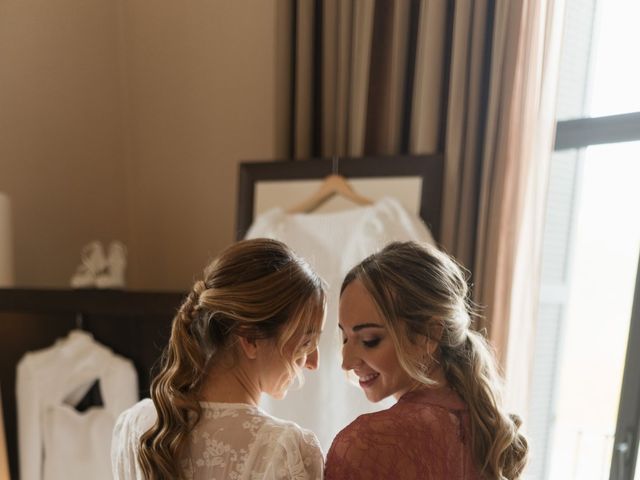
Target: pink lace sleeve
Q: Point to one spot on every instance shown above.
(369, 449)
(344, 457)
(411, 443)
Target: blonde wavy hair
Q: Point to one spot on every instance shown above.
(422, 292)
(257, 289)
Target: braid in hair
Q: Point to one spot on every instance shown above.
(173, 392)
(256, 289)
(499, 448)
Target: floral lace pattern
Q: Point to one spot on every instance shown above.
(231, 441)
(424, 436)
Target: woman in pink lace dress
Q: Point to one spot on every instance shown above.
(406, 332)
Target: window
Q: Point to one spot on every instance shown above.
(584, 413)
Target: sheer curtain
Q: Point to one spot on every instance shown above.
(517, 149)
(473, 79)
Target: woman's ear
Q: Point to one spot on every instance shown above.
(434, 338)
(432, 347)
(426, 344)
(430, 343)
(249, 346)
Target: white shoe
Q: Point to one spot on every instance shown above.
(113, 276)
(93, 262)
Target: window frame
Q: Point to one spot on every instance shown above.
(578, 134)
(585, 132)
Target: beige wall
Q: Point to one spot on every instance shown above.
(129, 123)
(60, 125)
(203, 90)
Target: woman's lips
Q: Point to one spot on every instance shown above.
(368, 380)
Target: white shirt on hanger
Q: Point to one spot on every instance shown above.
(231, 441)
(333, 243)
(55, 440)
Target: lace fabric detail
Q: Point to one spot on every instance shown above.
(424, 436)
(231, 441)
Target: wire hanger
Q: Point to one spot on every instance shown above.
(333, 184)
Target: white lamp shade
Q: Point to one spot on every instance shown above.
(6, 243)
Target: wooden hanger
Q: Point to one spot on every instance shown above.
(333, 185)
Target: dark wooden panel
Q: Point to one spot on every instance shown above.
(135, 325)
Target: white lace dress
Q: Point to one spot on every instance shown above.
(232, 441)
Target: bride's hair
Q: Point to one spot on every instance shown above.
(257, 289)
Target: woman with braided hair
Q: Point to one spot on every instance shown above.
(249, 327)
(406, 333)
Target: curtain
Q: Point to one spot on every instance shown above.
(472, 79)
(517, 148)
(353, 79)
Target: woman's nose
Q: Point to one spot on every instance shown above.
(349, 359)
(312, 360)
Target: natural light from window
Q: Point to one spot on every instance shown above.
(603, 274)
(615, 72)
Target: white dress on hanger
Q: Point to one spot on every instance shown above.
(231, 441)
(55, 440)
(333, 243)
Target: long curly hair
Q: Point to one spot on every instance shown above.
(422, 292)
(256, 289)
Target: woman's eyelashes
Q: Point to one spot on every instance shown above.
(371, 343)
